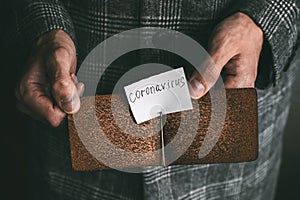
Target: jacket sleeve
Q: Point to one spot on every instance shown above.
(35, 17)
(277, 19)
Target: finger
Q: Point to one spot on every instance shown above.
(60, 68)
(239, 74)
(207, 74)
(64, 91)
(79, 85)
(74, 78)
(205, 77)
(80, 89)
(41, 108)
(202, 79)
(231, 81)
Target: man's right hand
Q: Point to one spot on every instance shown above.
(49, 89)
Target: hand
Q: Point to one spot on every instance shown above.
(49, 89)
(235, 48)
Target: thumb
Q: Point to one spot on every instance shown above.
(61, 69)
(206, 75)
(203, 79)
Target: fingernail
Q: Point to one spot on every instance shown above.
(75, 79)
(81, 90)
(196, 88)
(69, 105)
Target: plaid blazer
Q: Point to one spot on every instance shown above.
(92, 21)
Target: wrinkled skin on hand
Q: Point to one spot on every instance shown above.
(235, 47)
(49, 89)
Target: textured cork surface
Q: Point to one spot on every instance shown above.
(238, 141)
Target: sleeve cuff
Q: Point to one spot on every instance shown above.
(39, 17)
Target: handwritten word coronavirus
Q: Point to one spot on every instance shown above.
(156, 88)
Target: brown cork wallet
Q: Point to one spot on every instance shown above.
(104, 127)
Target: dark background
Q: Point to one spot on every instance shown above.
(13, 151)
(288, 185)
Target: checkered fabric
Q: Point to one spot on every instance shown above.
(91, 21)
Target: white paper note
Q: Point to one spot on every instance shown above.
(166, 92)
